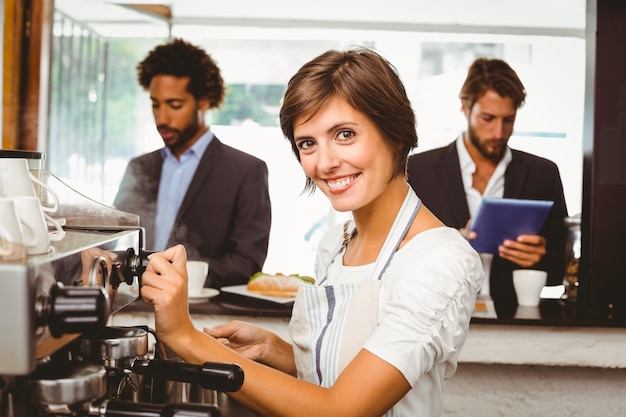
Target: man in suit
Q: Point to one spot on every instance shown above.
(197, 191)
(452, 180)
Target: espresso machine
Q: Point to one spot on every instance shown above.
(58, 357)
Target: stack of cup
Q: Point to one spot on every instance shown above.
(24, 218)
(13, 239)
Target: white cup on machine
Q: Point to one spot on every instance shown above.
(17, 180)
(197, 272)
(528, 284)
(31, 215)
(13, 233)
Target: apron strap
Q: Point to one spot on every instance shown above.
(398, 231)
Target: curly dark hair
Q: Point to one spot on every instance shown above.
(492, 74)
(182, 59)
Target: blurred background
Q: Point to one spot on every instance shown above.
(99, 117)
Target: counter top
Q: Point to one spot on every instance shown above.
(575, 346)
(550, 312)
(552, 365)
(217, 310)
(513, 342)
(227, 304)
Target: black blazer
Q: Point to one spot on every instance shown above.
(435, 175)
(224, 218)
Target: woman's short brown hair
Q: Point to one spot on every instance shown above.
(366, 81)
(492, 74)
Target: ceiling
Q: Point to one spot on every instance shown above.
(141, 18)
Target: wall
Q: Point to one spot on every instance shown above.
(479, 390)
(603, 270)
(1, 55)
(541, 371)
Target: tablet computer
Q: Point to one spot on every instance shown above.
(498, 219)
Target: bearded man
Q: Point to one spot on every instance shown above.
(196, 190)
(452, 180)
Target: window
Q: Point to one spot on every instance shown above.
(256, 65)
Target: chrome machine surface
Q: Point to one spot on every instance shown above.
(57, 355)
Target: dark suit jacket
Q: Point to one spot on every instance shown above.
(435, 176)
(224, 218)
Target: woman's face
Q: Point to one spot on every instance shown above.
(343, 152)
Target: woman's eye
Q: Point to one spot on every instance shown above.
(345, 134)
(305, 144)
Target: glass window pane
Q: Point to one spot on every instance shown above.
(257, 64)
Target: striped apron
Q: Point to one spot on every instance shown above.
(330, 323)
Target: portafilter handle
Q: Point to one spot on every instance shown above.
(226, 377)
(111, 408)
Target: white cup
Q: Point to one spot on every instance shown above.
(197, 272)
(11, 228)
(528, 284)
(17, 180)
(30, 213)
(12, 236)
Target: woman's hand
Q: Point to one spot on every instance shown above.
(526, 251)
(255, 343)
(247, 339)
(164, 285)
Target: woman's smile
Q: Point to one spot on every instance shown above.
(340, 184)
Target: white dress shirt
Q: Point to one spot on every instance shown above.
(495, 188)
(176, 175)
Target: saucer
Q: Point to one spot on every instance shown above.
(51, 250)
(523, 312)
(204, 295)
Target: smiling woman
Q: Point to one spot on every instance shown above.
(394, 302)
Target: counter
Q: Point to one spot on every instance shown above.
(532, 368)
(526, 370)
(218, 310)
(227, 304)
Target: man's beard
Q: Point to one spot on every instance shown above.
(184, 137)
(494, 156)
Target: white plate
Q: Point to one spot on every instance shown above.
(204, 295)
(243, 290)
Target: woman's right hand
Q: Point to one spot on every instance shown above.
(164, 285)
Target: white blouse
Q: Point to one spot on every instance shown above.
(425, 304)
